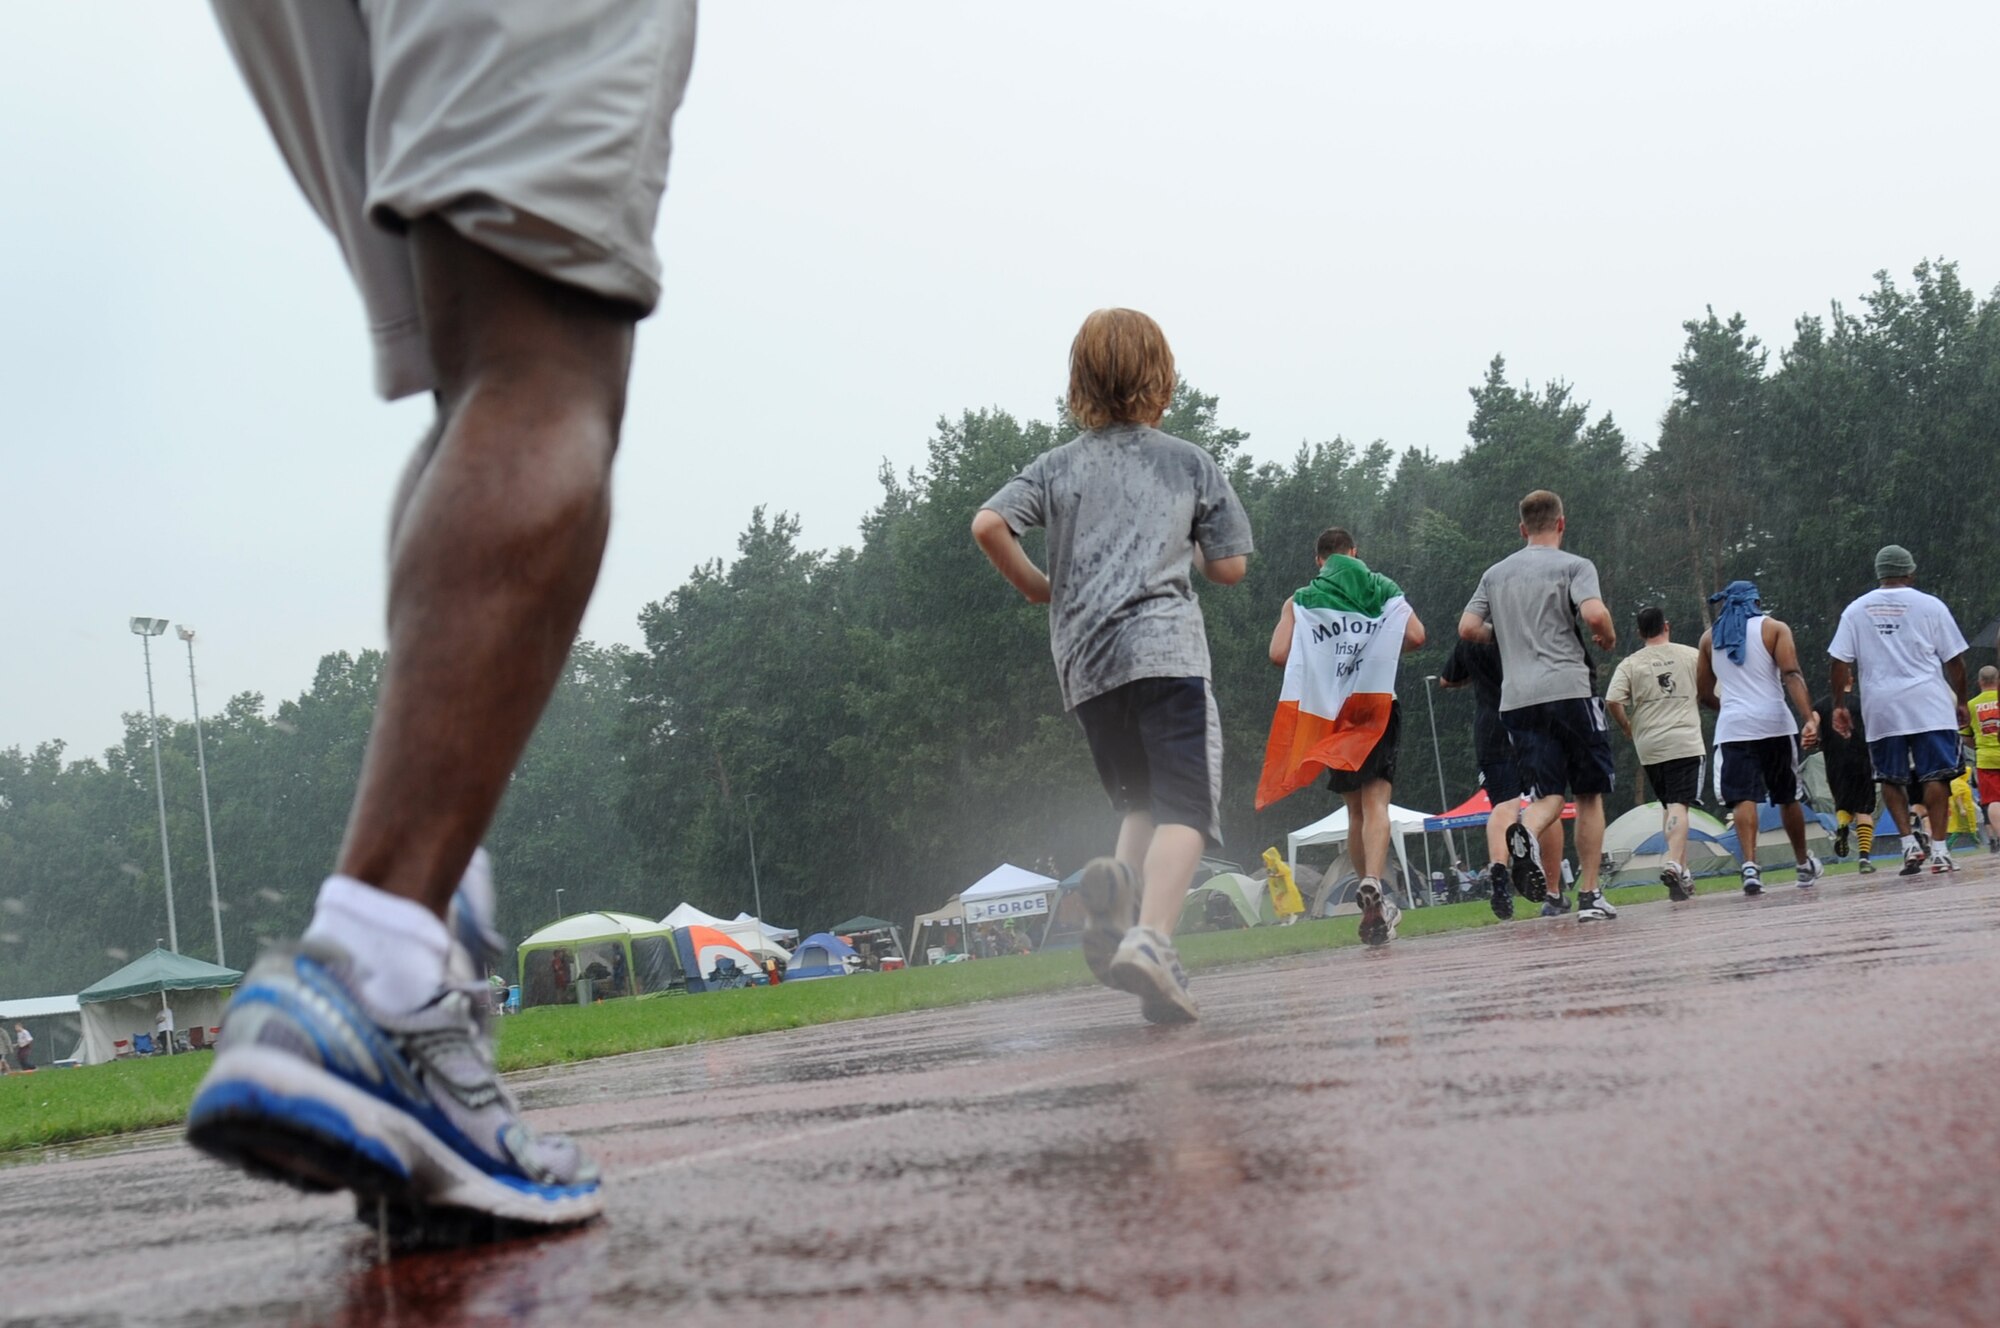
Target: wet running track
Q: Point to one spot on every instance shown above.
(1780, 1111)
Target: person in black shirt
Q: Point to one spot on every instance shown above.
(1850, 774)
(1476, 665)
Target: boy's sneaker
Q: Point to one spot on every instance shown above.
(1941, 862)
(1502, 886)
(1915, 857)
(310, 1088)
(1529, 882)
(1379, 914)
(1753, 879)
(1554, 905)
(1679, 882)
(1810, 871)
(1840, 839)
(1148, 966)
(1592, 906)
(1111, 901)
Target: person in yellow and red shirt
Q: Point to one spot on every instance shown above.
(1983, 712)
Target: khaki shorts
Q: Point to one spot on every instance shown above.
(539, 129)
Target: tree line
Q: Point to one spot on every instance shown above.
(886, 713)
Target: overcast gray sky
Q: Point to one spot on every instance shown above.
(883, 212)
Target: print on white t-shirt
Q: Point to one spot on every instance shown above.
(1900, 639)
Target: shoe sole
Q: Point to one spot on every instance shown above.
(277, 1117)
(1157, 1005)
(1107, 892)
(1503, 903)
(1753, 888)
(1529, 882)
(1374, 926)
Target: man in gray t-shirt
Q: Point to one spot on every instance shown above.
(1130, 512)
(1529, 604)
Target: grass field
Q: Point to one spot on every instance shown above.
(52, 1107)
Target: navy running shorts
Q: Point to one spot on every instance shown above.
(1157, 744)
(1916, 758)
(1561, 745)
(1759, 770)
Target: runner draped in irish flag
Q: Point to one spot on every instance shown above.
(1340, 676)
(1339, 639)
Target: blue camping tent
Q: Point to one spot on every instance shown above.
(819, 955)
(1773, 849)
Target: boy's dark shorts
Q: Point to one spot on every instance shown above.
(1561, 745)
(1678, 780)
(1157, 743)
(1380, 763)
(1853, 791)
(1759, 770)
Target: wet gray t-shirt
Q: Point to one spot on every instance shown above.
(1531, 598)
(1124, 507)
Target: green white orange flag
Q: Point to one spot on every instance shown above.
(1340, 679)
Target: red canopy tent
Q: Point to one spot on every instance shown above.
(1474, 811)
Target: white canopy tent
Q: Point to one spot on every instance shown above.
(771, 929)
(1333, 830)
(1008, 891)
(742, 928)
(687, 915)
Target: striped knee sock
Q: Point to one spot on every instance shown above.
(1864, 838)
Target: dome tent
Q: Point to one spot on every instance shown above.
(820, 955)
(627, 955)
(703, 951)
(1244, 901)
(1636, 848)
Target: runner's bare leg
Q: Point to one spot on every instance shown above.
(499, 532)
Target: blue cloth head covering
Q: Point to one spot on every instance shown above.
(1739, 605)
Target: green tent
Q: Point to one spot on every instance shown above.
(861, 922)
(121, 1007)
(1247, 902)
(623, 953)
(162, 970)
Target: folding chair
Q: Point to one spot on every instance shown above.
(197, 1038)
(142, 1044)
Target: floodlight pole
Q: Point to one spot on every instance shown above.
(756, 891)
(146, 629)
(559, 912)
(1437, 754)
(186, 633)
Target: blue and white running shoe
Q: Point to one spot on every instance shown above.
(311, 1089)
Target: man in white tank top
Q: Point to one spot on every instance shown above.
(1747, 667)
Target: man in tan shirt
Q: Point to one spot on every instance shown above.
(1652, 698)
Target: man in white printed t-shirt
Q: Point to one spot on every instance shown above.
(1912, 656)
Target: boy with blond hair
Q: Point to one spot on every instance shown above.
(1130, 512)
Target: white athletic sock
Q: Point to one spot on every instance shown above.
(399, 946)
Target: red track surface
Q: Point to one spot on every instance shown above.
(1779, 1111)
